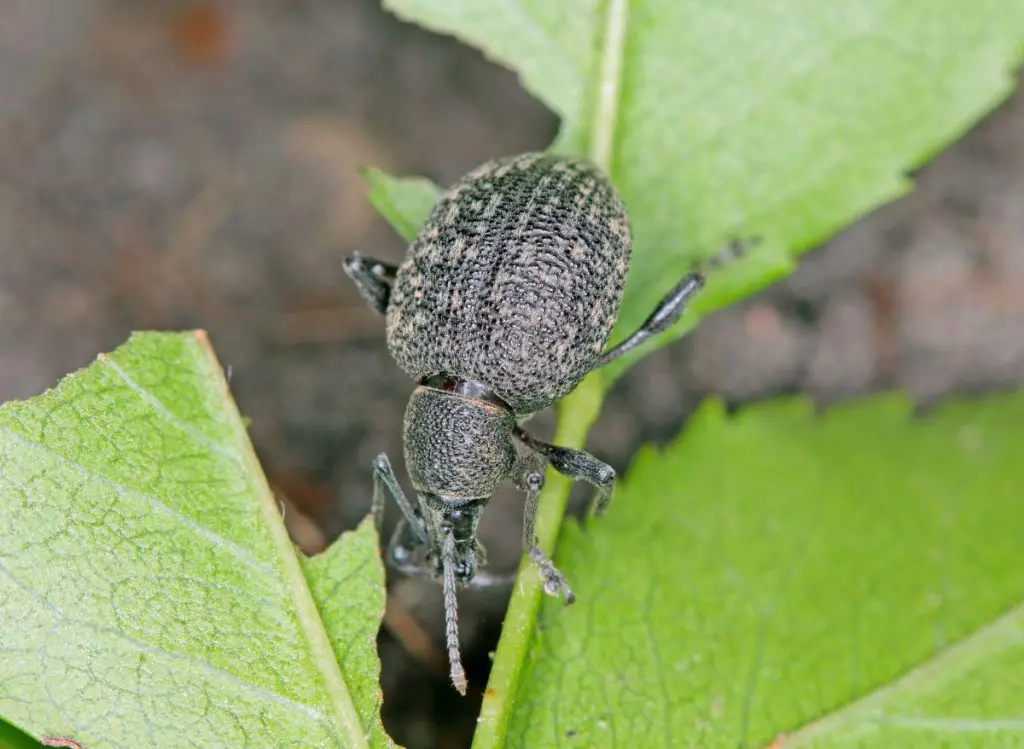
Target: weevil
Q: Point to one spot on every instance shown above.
(504, 303)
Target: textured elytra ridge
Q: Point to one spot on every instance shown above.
(515, 279)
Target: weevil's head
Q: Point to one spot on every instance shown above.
(458, 449)
(451, 527)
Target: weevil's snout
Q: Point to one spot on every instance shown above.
(465, 569)
(455, 519)
(466, 561)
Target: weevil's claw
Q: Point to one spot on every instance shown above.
(569, 596)
(556, 586)
(554, 581)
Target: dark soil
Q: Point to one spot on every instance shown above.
(171, 165)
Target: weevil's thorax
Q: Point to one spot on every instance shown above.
(443, 515)
(458, 439)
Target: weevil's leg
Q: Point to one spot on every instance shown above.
(373, 279)
(673, 304)
(529, 477)
(402, 551)
(668, 311)
(578, 465)
(384, 478)
(410, 533)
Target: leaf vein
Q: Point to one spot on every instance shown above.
(1006, 632)
(149, 648)
(161, 409)
(154, 502)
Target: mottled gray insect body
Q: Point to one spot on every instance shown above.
(504, 303)
(514, 280)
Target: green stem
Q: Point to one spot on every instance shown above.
(576, 414)
(602, 143)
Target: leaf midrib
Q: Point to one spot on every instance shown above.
(609, 82)
(576, 414)
(866, 711)
(346, 717)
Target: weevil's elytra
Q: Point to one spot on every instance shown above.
(514, 281)
(504, 303)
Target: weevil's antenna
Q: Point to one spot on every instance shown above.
(451, 613)
(736, 248)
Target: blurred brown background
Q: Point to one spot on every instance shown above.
(168, 165)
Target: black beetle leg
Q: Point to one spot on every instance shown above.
(373, 279)
(665, 315)
(673, 304)
(410, 534)
(402, 551)
(577, 465)
(384, 479)
(530, 478)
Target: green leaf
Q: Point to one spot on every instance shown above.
(149, 593)
(12, 738)
(782, 120)
(404, 202)
(347, 581)
(785, 120)
(853, 580)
